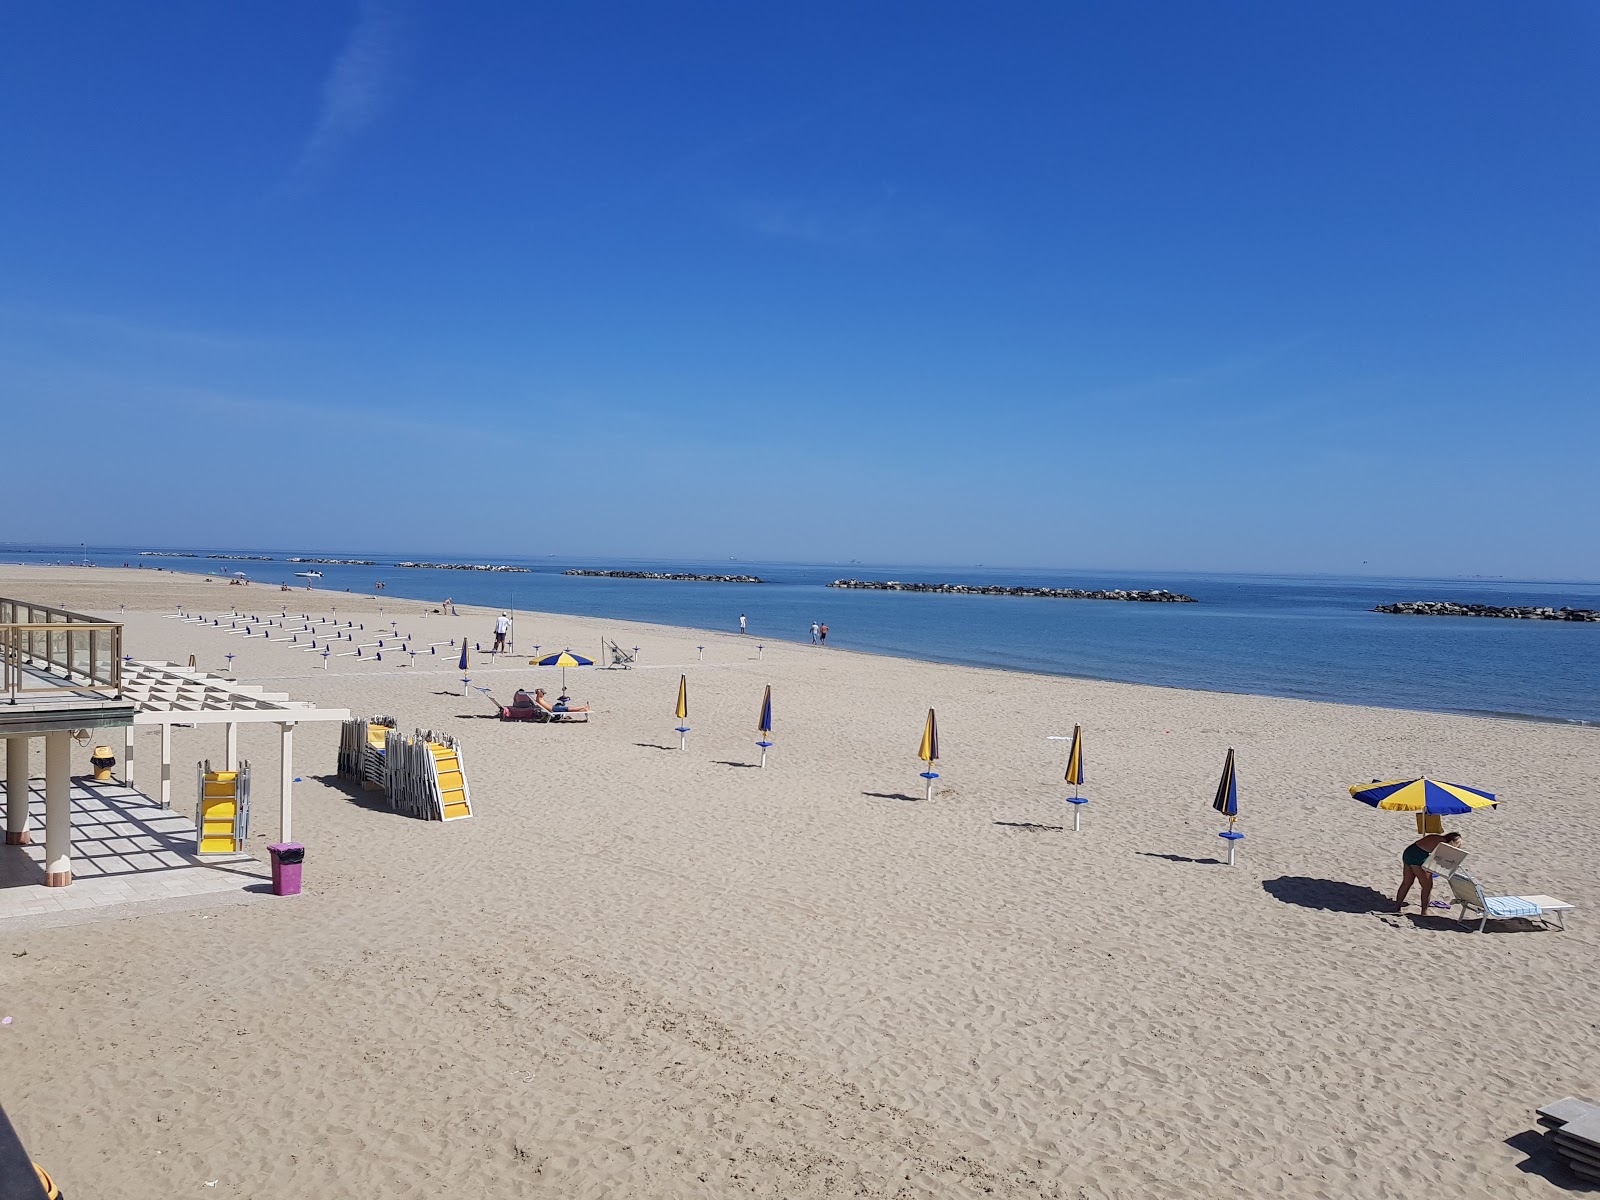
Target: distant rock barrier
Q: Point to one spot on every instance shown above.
(1158, 596)
(336, 562)
(466, 567)
(679, 576)
(1449, 608)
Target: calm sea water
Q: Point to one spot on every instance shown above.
(1310, 637)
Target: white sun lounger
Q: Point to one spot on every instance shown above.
(1470, 896)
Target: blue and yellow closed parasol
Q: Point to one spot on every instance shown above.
(928, 751)
(764, 724)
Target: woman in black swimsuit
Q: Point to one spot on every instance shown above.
(1411, 860)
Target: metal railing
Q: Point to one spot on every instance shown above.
(46, 649)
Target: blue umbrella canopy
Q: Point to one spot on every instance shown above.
(764, 721)
(1227, 801)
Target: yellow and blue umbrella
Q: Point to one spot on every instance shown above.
(682, 711)
(928, 752)
(562, 659)
(764, 725)
(1425, 797)
(1227, 803)
(1075, 775)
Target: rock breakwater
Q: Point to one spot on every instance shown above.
(680, 576)
(467, 567)
(1158, 595)
(1449, 608)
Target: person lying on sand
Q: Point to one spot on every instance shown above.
(560, 706)
(1411, 860)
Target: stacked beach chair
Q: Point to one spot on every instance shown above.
(362, 744)
(422, 775)
(427, 778)
(1575, 1132)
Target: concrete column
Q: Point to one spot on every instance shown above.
(17, 792)
(166, 764)
(230, 759)
(286, 791)
(57, 809)
(127, 756)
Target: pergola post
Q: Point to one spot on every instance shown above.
(230, 758)
(166, 764)
(286, 788)
(17, 784)
(127, 756)
(57, 809)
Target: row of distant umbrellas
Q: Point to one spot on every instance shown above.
(1427, 798)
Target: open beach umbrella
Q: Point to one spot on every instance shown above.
(682, 711)
(928, 752)
(1075, 775)
(562, 659)
(1227, 803)
(764, 725)
(1428, 798)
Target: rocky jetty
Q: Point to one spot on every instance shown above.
(466, 567)
(679, 576)
(1159, 595)
(337, 562)
(244, 557)
(1449, 608)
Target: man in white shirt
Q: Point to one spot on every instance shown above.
(502, 626)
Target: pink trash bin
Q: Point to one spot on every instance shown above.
(287, 858)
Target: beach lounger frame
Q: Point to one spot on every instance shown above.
(1471, 897)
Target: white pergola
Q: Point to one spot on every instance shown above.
(166, 694)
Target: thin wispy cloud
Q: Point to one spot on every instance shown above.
(358, 88)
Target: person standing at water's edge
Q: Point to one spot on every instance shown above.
(741, 623)
(502, 626)
(822, 634)
(1412, 870)
(815, 629)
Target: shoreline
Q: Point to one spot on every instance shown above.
(489, 611)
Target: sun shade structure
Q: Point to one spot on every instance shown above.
(1227, 803)
(1074, 776)
(1428, 798)
(562, 659)
(928, 751)
(682, 711)
(764, 725)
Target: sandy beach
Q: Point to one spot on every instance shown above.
(639, 972)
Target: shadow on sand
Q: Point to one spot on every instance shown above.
(723, 762)
(1030, 825)
(356, 794)
(1329, 895)
(1183, 858)
(894, 796)
(653, 746)
(1544, 1162)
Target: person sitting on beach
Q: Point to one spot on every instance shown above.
(1411, 860)
(561, 705)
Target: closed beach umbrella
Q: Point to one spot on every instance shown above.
(928, 752)
(1425, 797)
(682, 711)
(1075, 775)
(462, 665)
(764, 724)
(1227, 803)
(562, 659)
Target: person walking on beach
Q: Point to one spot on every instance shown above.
(1411, 860)
(502, 626)
(741, 623)
(822, 634)
(815, 629)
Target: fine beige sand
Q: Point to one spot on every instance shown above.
(638, 972)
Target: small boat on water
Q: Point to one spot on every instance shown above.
(309, 574)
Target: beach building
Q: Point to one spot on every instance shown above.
(65, 675)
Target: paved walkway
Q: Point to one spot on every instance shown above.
(126, 850)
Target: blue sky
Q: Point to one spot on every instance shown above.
(1233, 286)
